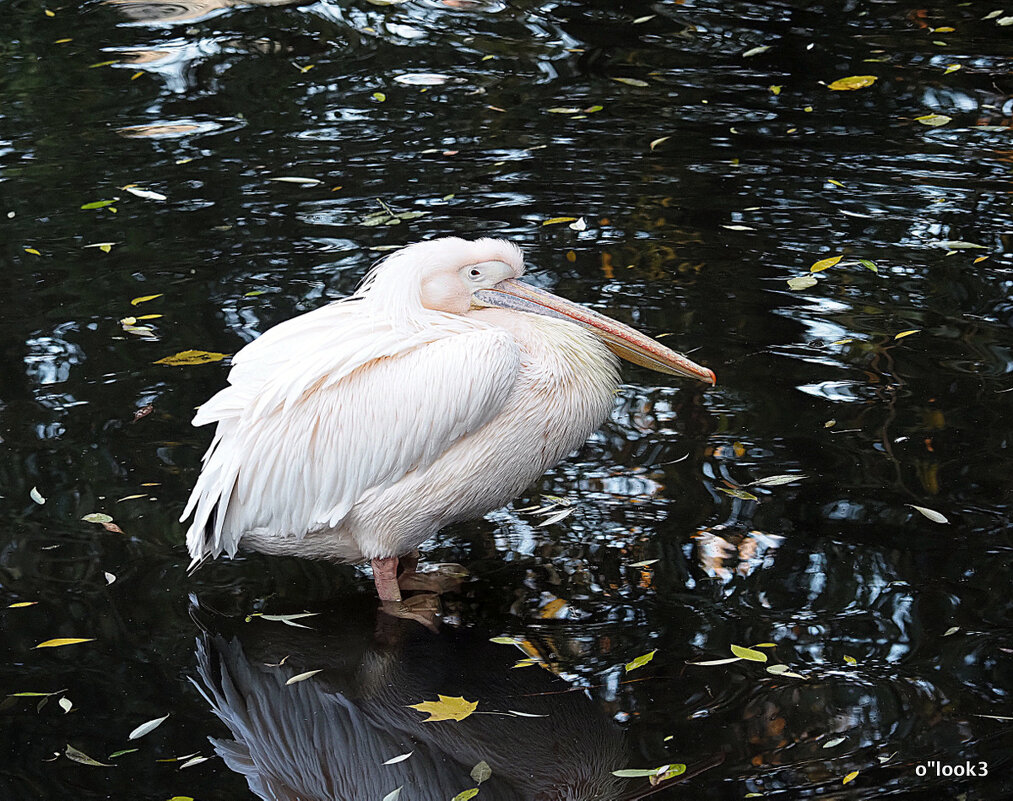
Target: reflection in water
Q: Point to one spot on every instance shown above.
(157, 12)
(327, 737)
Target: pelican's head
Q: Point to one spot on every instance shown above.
(453, 275)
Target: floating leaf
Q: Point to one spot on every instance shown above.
(289, 620)
(525, 714)
(631, 81)
(748, 653)
(64, 641)
(145, 728)
(951, 630)
(783, 670)
(580, 225)
(109, 577)
(393, 795)
(481, 772)
(849, 777)
(556, 517)
(738, 227)
(557, 220)
(303, 676)
(36, 496)
(83, 758)
(852, 82)
(823, 264)
(195, 761)
(933, 120)
(957, 244)
(561, 110)
(667, 770)
(33, 251)
(645, 563)
(464, 795)
(65, 705)
(658, 141)
(147, 194)
(775, 481)
(395, 760)
(755, 51)
(190, 357)
(145, 299)
(115, 754)
(446, 708)
(952, 68)
(21, 604)
(741, 494)
(835, 742)
(503, 640)
(775, 89)
(379, 97)
(97, 517)
(717, 661)
(97, 204)
(802, 282)
(293, 179)
(835, 182)
(868, 265)
(641, 660)
(931, 514)
(850, 660)
(908, 333)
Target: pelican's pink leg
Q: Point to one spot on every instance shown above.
(385, 578)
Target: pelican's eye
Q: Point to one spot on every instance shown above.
(475, 273)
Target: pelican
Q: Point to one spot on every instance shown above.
(436, 392)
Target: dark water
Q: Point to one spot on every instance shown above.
(899, 626)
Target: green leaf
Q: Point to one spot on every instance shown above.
(464, 795)
(741, 494)
(868, 265)
(97, 517)
(802, 282)
(748, 653)
(97, 204)
(641, 660)
(83, 758)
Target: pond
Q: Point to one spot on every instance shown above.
(184, 175)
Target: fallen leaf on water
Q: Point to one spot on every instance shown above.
(97, 204)
(718, 661)
(741, 494)
(775, 481)
(835, 183)
(446, 708)
(464, 795)
(956, 244)
(393, 795)
(147, 194)
(33, 251)
(293, 179)
(65, 705)
(849, 777)
(563, 110)
(379, 97)
(951, 631)
(145, 299)
(195, 761)
(580, 225)
(641, 660)
(84, 759)
(21, 604)
(933, 120)
(557, 220)
(64, 641)
(665, 770)
(109, 577)
(783, 670)
(775, 89)
(802, 282)
(503, 640)
(658, 141)
(481, 772)
(850, 660)
(395, 760)
(115, 754)
(748, 653)
(645, 563)
(931, 514)
(303, 676)
(631, 81)
(823, 264)
(836, 741)
(868, 265)
(952, 68)
(36, 496)
(852, 82)
(755, 51)
(190, 357)
(907, 333)
(147, 727)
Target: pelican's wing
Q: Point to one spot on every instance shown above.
(331, 407)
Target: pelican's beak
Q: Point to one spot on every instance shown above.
(624, 341)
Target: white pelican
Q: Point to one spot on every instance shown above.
(436, 392)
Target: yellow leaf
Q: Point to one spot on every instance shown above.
(64, 641)
(21, 604)
(446, 708)
(631, 81)
(835, 183)
(850, 777)
(852, 82)
(850, 660)
(933, 120)
(907, 333)
(748, 653)
(50, 13)
(775, 89)
(952, 68)
(105, 248)
(641, 660)
(144, 299)
(33, 251)
(189, 357)
(557, 220)
(823, 264)
(150, 316)
(379, 96)
(657, 142)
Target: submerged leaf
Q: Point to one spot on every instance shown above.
(190, 357)
(802, 282)
(481, 772)
(641, 660)
(741, 494)
(852, 82)
(446, 708)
